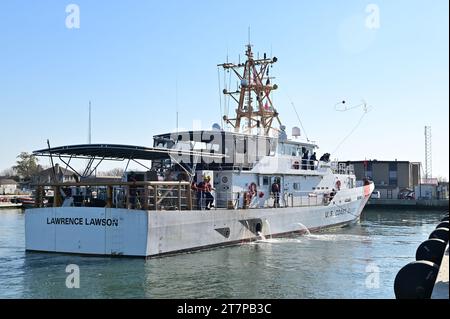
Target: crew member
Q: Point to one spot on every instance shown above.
(312, 161)
(205, 188)
(276, 193)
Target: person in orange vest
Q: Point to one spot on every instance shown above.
(205, 190)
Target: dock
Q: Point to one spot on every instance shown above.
(10, 205)
(8, 201)
(409, 203)
(440, 290)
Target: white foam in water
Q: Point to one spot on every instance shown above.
(305, 228)
(268, 226)
(277, 241)
(263, 238)
(337, 237)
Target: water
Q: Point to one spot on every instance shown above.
(326, 265)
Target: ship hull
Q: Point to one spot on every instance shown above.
(121, 232)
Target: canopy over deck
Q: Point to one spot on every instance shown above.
(118, 152)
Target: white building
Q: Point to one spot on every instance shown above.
(8, 187)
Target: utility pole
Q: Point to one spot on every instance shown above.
(428, 154)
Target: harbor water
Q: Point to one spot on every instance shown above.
(360, 261)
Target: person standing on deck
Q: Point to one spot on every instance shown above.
(208, 196)
(276, 193)
(305, 160)
(312, 161)
(204, 192)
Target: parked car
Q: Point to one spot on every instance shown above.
(406, 194)
(375, 195)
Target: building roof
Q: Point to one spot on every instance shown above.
(7, 182)
(59, 170)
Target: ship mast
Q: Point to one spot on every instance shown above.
(255, 108)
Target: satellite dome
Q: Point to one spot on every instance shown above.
(216, 127)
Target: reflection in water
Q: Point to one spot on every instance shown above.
(324, 265)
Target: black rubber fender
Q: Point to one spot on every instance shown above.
(416, 280)
(444, 219)
(440, 233)
(442, 225)
(431, 250)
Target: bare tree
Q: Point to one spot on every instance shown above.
(442, 179)
(9, 172)
(113, 172)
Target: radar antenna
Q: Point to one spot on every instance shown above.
(255, 106)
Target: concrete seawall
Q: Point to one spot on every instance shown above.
(409, 203)
(440, 290)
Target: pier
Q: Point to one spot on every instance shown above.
(409, 203)
(440, 290)
(427, 277)
(11, 201)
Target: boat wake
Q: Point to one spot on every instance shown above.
(337, 237)
(313, 237)
(279, 240)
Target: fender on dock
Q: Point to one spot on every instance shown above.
(416, 280)
(442, 225)
(431, 250)
(440, 233)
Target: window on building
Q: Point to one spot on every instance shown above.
(393, 174)
(369, 171)
(389, 194)
(266, 180)
(296, 186)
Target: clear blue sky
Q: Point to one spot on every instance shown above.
(128, 56)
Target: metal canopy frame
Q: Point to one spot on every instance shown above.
(114, 152)
(118, 152)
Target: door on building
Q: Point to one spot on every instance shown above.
(389, 194)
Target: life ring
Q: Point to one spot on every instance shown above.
(338, 185)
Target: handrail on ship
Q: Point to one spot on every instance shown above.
(163, 196)
(239, 200)
(342, 168)
(156, 195)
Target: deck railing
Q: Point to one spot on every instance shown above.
(342, 168)
(235, 200)
(165, 196)
(129, 195)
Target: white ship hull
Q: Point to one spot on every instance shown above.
(121, 232)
